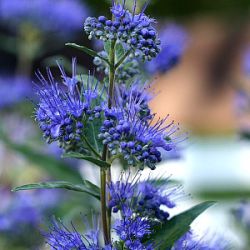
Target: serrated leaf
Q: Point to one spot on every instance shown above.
(86, 187)
(86, 50)
(100, 163)
(176, 227)
(119, 52)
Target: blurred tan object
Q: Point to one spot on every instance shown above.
(185, 92)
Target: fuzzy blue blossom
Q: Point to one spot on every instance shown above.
(131, 230)
(246, 62)
(20, 90)
(64, 110)
(137, 93)
(62, 16)
(136, 139)
(143, 198)
(173, 43)
(62, 238)
(135, 31)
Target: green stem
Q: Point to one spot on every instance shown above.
(106, 214)
(122, 59)
(104, 207)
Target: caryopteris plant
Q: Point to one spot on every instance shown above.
(100, 121)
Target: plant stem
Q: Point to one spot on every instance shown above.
(106, 214)
(104, 207)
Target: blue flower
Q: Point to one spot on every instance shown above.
(131, 230)
(139, 95)
(135, 31)
(145, 198)
(173, 43)
(62, 17)
(137, 140)
(62, 238)
(64, 110)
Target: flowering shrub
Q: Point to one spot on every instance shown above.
(100, 121)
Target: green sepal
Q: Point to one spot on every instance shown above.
(100, 163)
(87, 187)
(169, 232)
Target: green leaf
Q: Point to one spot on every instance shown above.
(93, 130)
(54, 167)
(107, 47)
(86, 50)
(86, 187)
(119, 52)
(100, 163)
(173, 229)
(224, 194)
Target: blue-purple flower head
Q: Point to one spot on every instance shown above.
(173, 43)
(130, 131)
(246, 62)
(62, 238)
(143, 198)
(131, 230)
(135, 31)
(65, 108)
(61, 16)
(20, 90)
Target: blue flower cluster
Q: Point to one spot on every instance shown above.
(62, 16)
(63, 110)
(128, 134)
(131, 230)
(61, 238)
(145, 199)
(135, 31)
(173, 43)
